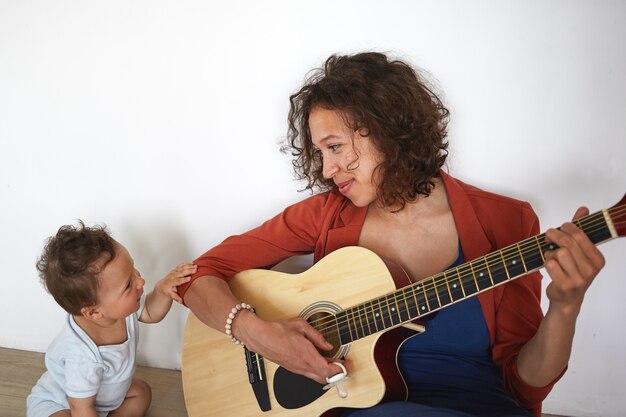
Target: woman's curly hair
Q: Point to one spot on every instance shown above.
(71, 262)
(388, 100)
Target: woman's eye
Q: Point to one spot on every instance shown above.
(333, 147)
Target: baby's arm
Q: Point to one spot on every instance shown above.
(82, 407)
(159, 301)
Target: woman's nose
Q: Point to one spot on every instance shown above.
(329, 169)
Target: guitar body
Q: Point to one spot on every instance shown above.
(215, 376)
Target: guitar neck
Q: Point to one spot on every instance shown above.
(456, 284)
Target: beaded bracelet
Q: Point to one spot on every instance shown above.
(231, 317)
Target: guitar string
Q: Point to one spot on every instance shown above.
(460, 274)
(399, 299)
(403, 297)
(394, 295)
(591, 224)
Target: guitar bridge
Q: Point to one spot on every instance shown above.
(256, 375)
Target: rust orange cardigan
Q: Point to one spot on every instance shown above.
(485, 222)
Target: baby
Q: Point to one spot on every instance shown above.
(91, 363)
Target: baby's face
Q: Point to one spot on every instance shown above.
(120, 286)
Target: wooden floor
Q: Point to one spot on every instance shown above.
(20, 370)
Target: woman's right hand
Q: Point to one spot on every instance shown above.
(291, 344)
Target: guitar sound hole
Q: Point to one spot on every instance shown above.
(325, 323)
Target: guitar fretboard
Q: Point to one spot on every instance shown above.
(455, 284)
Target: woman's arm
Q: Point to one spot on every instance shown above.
(572, 268)
(291, 343)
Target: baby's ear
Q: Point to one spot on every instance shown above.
(91, 312)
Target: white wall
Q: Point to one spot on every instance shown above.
(162, 119)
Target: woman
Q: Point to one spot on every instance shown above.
(370, 133)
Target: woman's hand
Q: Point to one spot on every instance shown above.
(291, 344)
(572, 267)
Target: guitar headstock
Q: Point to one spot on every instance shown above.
(618, 216)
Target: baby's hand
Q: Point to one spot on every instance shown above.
(179, 275)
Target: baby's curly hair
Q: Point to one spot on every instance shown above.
(388, 100)
(70, 264)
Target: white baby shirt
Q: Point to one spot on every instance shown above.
(77, 368)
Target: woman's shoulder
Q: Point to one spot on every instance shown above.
(492, 201)
(504, 219)
(328, 209)
(322, 202)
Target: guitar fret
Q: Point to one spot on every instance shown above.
(443, 292)
(455, 286)
(379, 320)
(504, 264)
(468, 281)
(358, 328)
(391, 310)
(481, 273)
(497, 268)
(489, 267)
(596, 227)
(543, 259)
(436, 291)
(411, 303)
(397, 308)
(405, 311)
(532, 255)
(514, 265)
(519, 250)
(420, 305)
(431, 294)
(473, 274)
(342, 327)
(426, 304)
(387, 319)
(368, 319)
(371, 318)
(353, 327)
(360, 323)
(445, 278)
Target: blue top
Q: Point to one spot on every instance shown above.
(450, 364)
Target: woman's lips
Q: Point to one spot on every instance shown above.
(344, 187)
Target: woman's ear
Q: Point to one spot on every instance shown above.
(91, 312)
(363, 132)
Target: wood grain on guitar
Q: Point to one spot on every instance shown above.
(351, 297)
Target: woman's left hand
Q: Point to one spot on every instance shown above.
(572, 266)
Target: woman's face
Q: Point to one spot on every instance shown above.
(349, 159)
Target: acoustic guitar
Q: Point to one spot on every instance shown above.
(364, 322)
